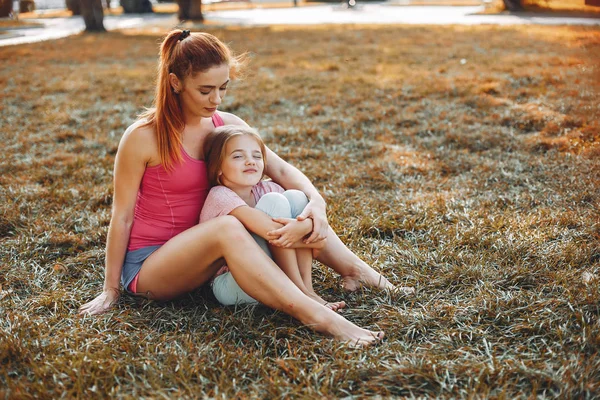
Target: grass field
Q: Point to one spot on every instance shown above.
(463, 161)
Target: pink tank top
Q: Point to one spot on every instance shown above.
(169, 203)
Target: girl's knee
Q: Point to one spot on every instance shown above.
(275, 205)
(298, 201)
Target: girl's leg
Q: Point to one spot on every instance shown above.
(304, 259)
(278, 206)
(298, 201)
(189, 259)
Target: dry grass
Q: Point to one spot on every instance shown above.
(460, 160)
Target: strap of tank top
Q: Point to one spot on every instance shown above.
(217, 120)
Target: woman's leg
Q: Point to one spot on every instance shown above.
(352, 269)
(189, 259)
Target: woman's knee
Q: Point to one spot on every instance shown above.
(275, 205)
(231, 229)
(297, 200)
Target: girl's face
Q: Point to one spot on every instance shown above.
(242, 164)
(201, 94)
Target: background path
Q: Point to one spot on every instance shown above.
(372, 13)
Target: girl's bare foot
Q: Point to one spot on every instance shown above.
(336, 305)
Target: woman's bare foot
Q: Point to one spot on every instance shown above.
(367, 276)
(345, 331)
(355, 336)
(336, 305)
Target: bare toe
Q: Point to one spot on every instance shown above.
(405, 290)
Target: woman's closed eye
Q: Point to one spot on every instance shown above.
(221, 89)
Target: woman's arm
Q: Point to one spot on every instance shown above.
(130, 163)
(291, 178)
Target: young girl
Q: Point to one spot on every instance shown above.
(236, 164)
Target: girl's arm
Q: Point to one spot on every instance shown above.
(260, 223)
(130, 163)
(291, 178)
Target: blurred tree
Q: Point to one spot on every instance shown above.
(6, 8)
(26, 6)
(190, 10)
(513, 5)
(74, 6)
(136, 6)
(93, 15)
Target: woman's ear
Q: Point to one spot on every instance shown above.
(175, 83)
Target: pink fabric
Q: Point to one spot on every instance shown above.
(222, 200)
(133, 284)
(168, 203)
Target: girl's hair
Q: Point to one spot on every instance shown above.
(184, 55)
(216, 143)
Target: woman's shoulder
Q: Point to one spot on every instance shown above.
(231, 119)
(140, 139)
(140, 130)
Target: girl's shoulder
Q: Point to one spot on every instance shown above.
(221, 191)
(231, 119)
(267, 186)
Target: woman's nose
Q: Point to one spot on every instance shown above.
(216, 98)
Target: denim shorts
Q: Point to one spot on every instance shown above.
(133, 263)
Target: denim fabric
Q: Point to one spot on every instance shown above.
(133, 263)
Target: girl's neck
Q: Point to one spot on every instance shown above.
(245, 193)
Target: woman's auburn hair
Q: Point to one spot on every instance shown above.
(196, 53)
(216, 143)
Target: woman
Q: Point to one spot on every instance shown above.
(160, 184)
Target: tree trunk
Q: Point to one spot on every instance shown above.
(513, 5)
(190, 10)
(6, 8)
(93, 15)
(26, 6)
(74, 6)
(136, 6)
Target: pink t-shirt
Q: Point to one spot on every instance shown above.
(169, 203)
(221, 200)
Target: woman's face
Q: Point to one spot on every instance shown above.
(242, 164)
(202, 93)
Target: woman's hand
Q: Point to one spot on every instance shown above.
(316, 210)
(101, 303)
(291, 232)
